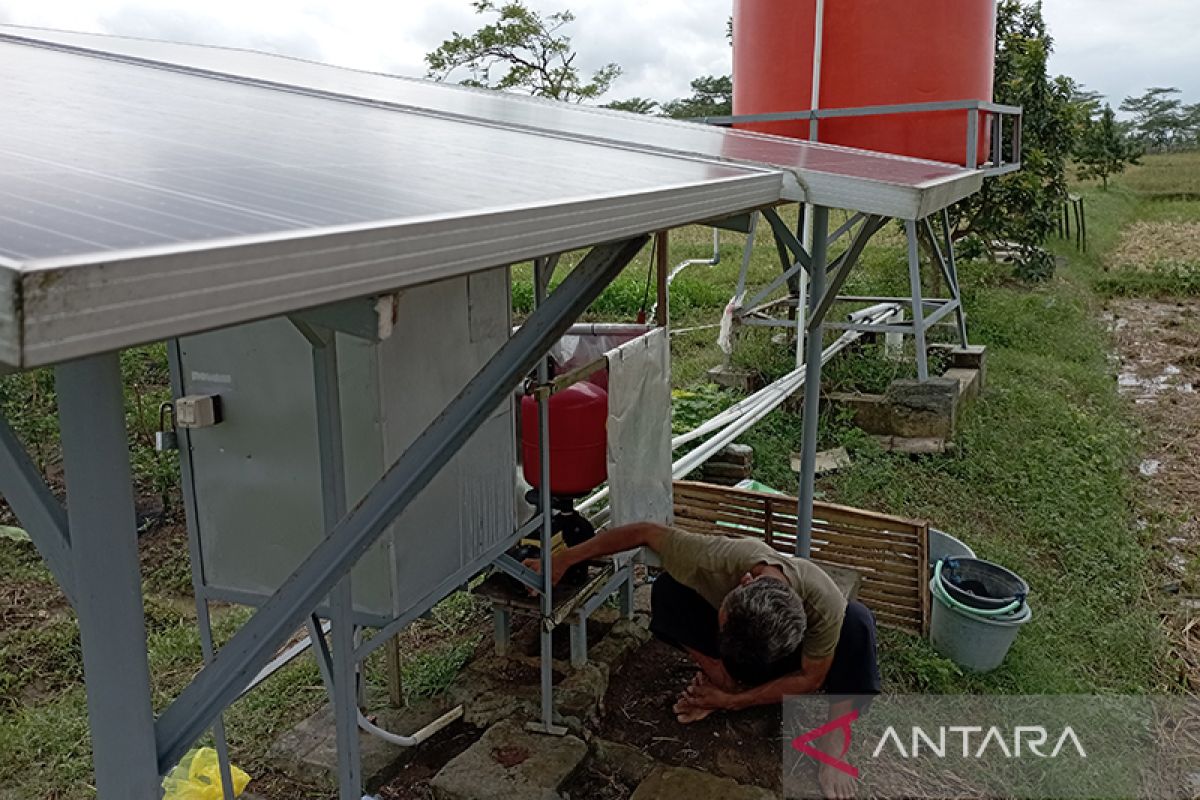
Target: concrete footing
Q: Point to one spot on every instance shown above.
(510, 763)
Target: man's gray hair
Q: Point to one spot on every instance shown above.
(764, 626)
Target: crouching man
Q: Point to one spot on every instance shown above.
(759, 625)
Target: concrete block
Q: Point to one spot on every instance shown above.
(628, 763)
(488, 694)
(827, 460)
(735, 454)
(735, 378)
(308, 752)
(510, 763)
(914, 447)
(923, 409)
(870, 411)
(719, 469)
(672, 783)
(971, 357)
(968, 383)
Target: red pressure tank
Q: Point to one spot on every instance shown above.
(874, 52)
(578, 440)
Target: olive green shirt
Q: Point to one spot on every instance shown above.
(714, 565)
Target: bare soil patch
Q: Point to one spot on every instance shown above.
(412, 781)
(1158, 349)
(745, 745)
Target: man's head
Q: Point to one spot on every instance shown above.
(762, 625)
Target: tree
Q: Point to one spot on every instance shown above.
(1104, 149)
(637, 105)
(1159, 117)
(1022, 208)
(712, 96)
(520, 49)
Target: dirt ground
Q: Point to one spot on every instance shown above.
(1158, 350)
(745, 746)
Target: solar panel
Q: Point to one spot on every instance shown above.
(839, 177)
(194, 202)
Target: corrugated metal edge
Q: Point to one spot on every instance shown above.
(201, 287)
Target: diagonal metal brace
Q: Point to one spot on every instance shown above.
(220, 683)
(845, 263)
(37, 508)
(784, 234)
(519, 571)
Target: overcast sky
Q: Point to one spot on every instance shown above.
(1117, 47)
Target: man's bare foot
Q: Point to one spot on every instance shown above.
(837, 785)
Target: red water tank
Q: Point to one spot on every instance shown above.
(578, 440)
(874, 52)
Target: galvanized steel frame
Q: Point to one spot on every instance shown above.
(131, 749)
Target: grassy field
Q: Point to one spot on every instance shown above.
(1042, 480)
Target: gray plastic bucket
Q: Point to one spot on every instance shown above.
(973, 642)
(943, 545)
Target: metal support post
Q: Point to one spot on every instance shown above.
(221, 682)
(626, 599)
(662, 266)
(812, 383)
(108, 587)
(918, 306)
(547, 530)
(950, 266)
(579, 643)
(333, 507)
(502, 628)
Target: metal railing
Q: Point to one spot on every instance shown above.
(979, 112)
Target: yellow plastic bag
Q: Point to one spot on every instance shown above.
(198, 777)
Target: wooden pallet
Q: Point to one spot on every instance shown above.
(891, 553)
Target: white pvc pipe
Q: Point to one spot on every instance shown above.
(420, 736)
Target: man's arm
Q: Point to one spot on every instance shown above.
(611, 542)
(809, 679)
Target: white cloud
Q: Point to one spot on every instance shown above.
(1113, 46)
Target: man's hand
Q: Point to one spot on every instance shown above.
(700, 699)
(560, 563)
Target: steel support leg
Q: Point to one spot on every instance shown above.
(221, 682)
(918, 304)
(812, 383)
(333, 506)
(108, 587)
(952, 276)
(626, 599)
(547, 531)
(579, 642)
(502, 629)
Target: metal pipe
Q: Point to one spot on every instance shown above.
(693, 262)
(744, 414)
(812, 385)
(547, 532)
(219, 684)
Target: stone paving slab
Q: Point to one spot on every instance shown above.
(673, 783)
(510, 763)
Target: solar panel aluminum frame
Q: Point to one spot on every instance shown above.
(54, 310)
